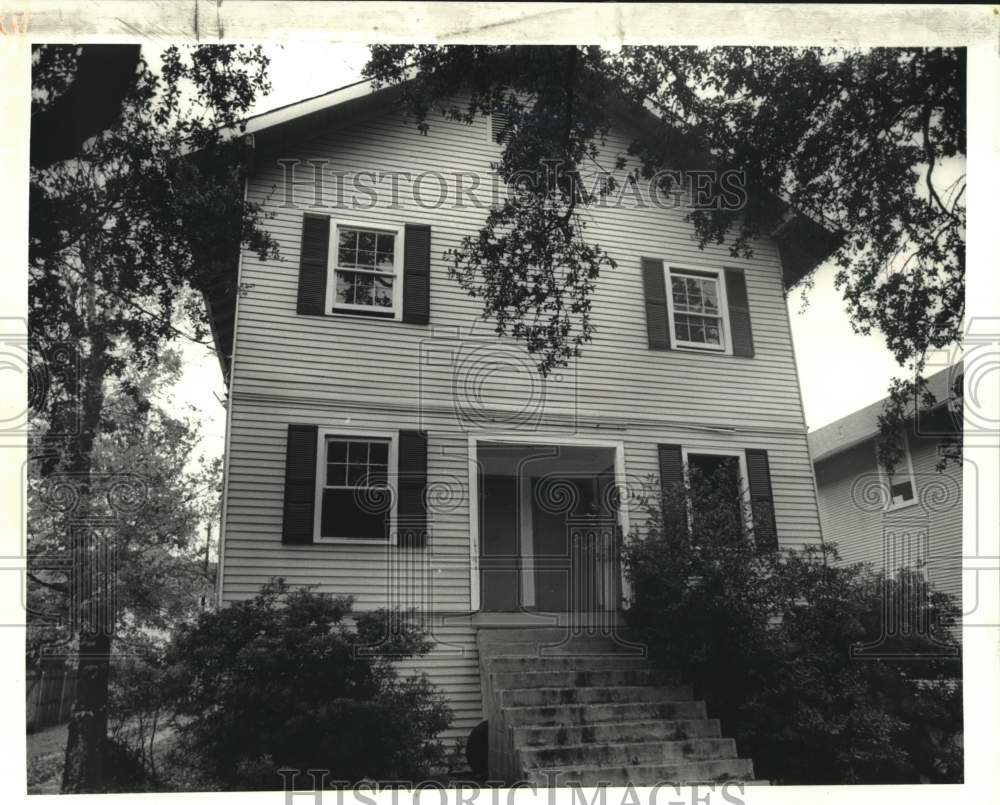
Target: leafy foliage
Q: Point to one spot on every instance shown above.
(123, 227)
(141, 213)
(850, 138)
(767, 639)
(283, 680)
(143, 479)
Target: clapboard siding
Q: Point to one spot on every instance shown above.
(617, 373)
(343, 371)
(858, 527)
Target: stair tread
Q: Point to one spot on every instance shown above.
(608, 744)
(578, 767)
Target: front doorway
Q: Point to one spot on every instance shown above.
(550, 526)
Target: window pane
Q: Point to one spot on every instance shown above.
(366, 240)
(345, 287)
(697, 328)
(358, 452)
(681, 328)
(357, 474)
(384, 261)
(336, 450)
(336, 474)
(346, 257)
(366, 259)
(345, 516)
(386, 243)
(348, 239)
(711, 298)
(712, 334)
(383, 291)
(379, 452)
(902, 492)
(694, 294)
(678, 289)
(378, 474)
(363, 289)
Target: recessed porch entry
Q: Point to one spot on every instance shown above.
(549, 525)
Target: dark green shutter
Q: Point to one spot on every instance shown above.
(671, 478)
(313, 259)
(417, 274)
(411, 509)
(739, 312)
(655, 290)
(761, 501)
(300, 485)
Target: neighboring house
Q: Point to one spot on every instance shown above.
(911, 518)
(357, 359)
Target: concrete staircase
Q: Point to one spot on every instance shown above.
(589, 710)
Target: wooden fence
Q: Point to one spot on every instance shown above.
(49, 697)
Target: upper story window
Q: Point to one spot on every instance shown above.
(696, 302)
(900, 486)
(366, 269)
(499, 125)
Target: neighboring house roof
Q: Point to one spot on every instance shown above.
(862, 425)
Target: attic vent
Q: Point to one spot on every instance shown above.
(500, 125)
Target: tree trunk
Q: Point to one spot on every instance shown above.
(85, 769)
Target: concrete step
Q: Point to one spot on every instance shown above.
(703, 771)
(675, 730)
(567, 715)
(628, 754)
(624, 694)
(614, 677)
(545, 634)
(534, 662)
(593, 647)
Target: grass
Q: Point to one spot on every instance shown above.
(46, 751)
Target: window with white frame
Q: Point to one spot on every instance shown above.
(355, 500)
(366, 268)
(722, 475)
(901, 489)
(696, 303)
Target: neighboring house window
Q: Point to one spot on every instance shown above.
(696, 303)
(902, 489)
(366, 268)
(355, 500)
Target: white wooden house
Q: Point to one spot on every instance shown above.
(357, 360)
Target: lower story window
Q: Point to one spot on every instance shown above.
(720, 480)
(356, 498)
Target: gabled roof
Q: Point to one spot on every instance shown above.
(862, 425)
(803, 242)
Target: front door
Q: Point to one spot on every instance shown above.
(548, 528)
(573, 542)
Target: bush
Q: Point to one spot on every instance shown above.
(135, 704)
(767, 638)
(285, 681)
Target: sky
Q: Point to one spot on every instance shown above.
(839, 371)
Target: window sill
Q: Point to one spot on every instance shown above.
(352, 541)
(389, 315)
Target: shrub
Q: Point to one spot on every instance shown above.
(135, 704)
(766, 638)
(294, 679)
